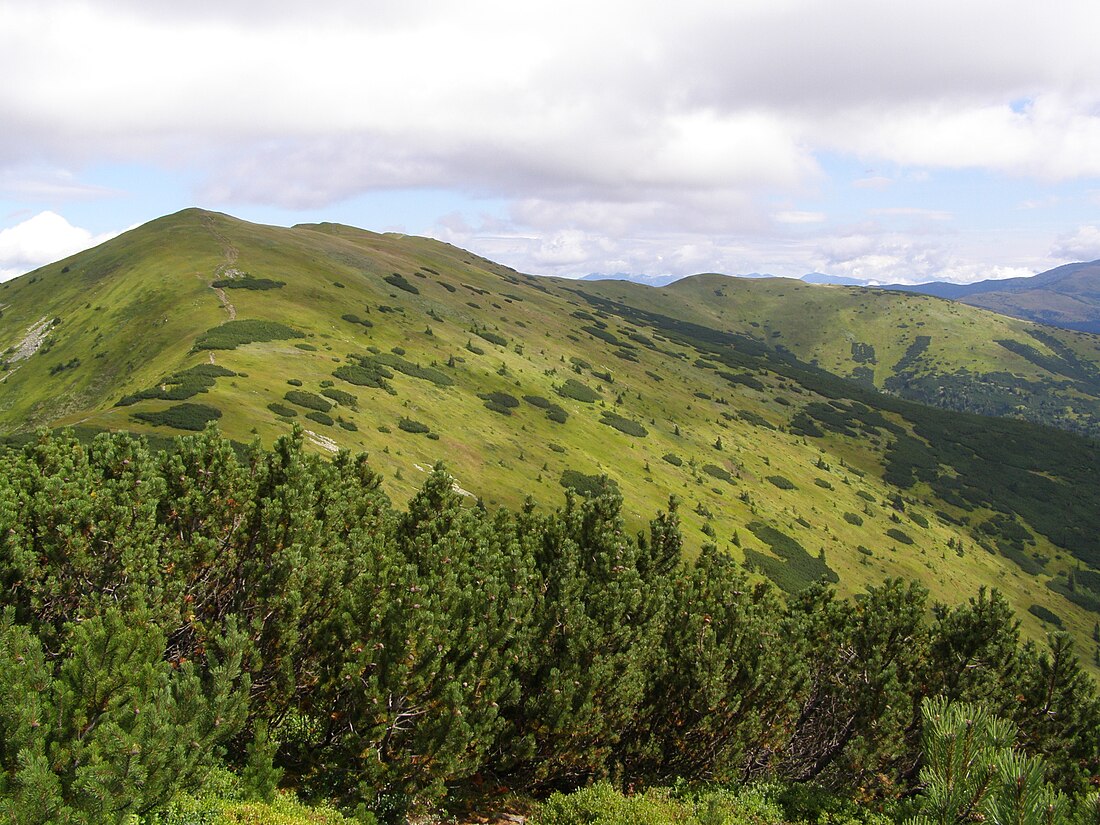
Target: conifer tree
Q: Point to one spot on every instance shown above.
(109, 728)
(596, 629)
(863, 668)
(972, 773)
(723, 681)
(432, 628)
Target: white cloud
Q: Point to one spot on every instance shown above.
(893, 258)
(40, 240)
(1081, 245)
(624, 135)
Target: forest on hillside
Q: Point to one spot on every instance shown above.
(170, 616)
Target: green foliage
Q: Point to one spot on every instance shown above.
(366, 373)
(193, 417)
(500, 402)
(233, 334)
(320, 418)
(355, 319)
(394, 361)
(282, 409)
(574, 389)
(586, 485)
(411, 425)
(248, 282)
(782, 482)
(673, 459)
(398, 280)
(623, 425)
(972, 773)
(718, 472)
(1045, 614)
(108, 727)
(600, 803)
(899, 536)
(345, 399)
(309, 400)
(797, 570)
(395, 653)
(557, 414)
(491, 337)
(180, 386)
(259, 777)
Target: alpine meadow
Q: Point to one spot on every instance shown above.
(316, 524)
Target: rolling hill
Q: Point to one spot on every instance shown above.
(756, 403)
(1067, 296)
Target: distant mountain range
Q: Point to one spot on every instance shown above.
(1067, 296)
(665, 280)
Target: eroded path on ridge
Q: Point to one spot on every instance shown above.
(226, 269)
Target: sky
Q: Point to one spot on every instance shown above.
(889, 141)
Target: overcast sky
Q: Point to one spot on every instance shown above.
(895, 141)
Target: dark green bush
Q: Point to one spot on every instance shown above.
(394, 361)
(248, 282)
(718, 472)
(193, 417)
(345, 399)
(782, 483)
(398, 280)
(1045, 614)
(410, 425)
(491, 337)
(233, 334)
(557, 414)
(574, 389)
(623, 425)
(320, 418)
(586, 485)
(282, 409)
(309, 400)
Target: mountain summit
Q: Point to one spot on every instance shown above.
(781, 413)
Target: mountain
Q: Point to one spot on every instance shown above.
(649, 280)
(915, 346)
(1066, 296)
(758, 403)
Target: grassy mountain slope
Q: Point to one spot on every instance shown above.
(1066, 296)
(916, 346)
(427, 353)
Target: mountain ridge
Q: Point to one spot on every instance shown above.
(418, 351)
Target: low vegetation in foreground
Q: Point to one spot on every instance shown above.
(187, 632)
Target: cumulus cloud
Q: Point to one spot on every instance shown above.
(894, 258)
(1081, 245)
(614, 131)
(40, 240)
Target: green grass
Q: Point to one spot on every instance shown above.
(133, 310)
